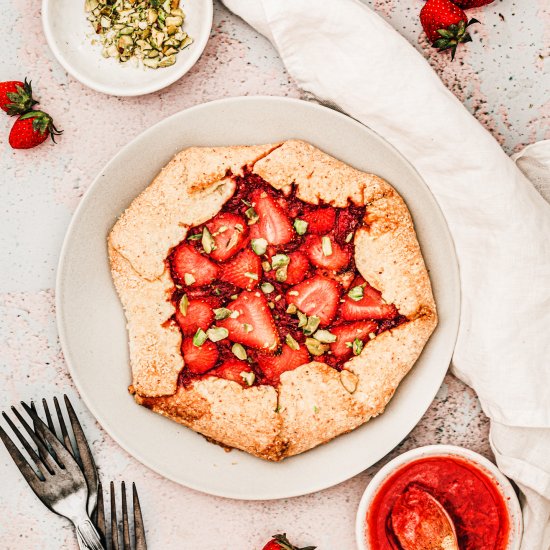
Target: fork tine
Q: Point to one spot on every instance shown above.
(47, 457)
(41, 464)
(125, 525)
(48, 415)
(114, 524)
(33, 407)
(28, 472)
(63, 456)
(138, 522)
(65, 439)
(86, 457)
(100, 515)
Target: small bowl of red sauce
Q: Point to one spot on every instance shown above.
(437, 492)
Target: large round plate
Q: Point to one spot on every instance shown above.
(92, 324)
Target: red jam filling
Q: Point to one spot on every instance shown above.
(469, 496)
(269, 284)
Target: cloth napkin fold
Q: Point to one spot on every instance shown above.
(344, 54)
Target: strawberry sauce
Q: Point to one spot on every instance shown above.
(287, 269)
(470, 497)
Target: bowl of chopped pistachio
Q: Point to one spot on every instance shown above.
(127, 47)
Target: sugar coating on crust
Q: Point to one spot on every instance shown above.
(318, 176)
(315, 402)
(224, 411)
(154, 345)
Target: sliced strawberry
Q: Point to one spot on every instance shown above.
(273, 224)
(317, 296)
(229, 232)
(231, 369)
(289, 359)
(370, 306)
(243, 271)
(254, 325)
(199, 315)
(297, 268)
(347, 333)
(320, 221)
(186, 260)
(199, 359)
(326, 253)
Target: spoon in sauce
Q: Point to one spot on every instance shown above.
(420, 522)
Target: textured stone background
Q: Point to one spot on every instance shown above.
(499, 78)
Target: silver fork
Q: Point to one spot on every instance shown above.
(81, 452)
(56, 477)
(138, 527)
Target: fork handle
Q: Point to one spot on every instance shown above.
(87, 535)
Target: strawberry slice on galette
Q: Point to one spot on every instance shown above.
(275, 296)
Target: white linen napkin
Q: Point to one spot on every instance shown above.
(342, 53)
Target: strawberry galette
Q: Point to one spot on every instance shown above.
(275, 296)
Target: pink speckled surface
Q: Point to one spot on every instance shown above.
(499, 77)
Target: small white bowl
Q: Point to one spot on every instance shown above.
(506, 489)
(69, 35)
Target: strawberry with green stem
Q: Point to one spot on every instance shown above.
(445, 25)
(16, 97)
(31, 129)
(280, 542)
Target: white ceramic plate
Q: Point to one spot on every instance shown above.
(506, 489)
(69, 35)
(92, 326)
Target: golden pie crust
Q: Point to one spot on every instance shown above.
(313, 403)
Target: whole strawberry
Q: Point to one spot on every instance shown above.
(16, 97)
(31, 129)
(280, 542)
(467, 4)
(445, 24)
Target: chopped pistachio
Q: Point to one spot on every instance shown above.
(315, 409)
(248, 377)
(281, 274)
(235, 314)
(311, 325)
(259, 246)
(315, 347)
(356, 293)
(188, 278)
(252, 276)
(133, 29)
(207, 241)
(349, 236)
(326, 246)
(233, 240)
(302, 318)
(266, 266)
(239, 227)
(293, 293)
(325, 336)
(252, 215)
(239, 352)
(267, 288)
(279, 260)
(184, 304)
(221, 313)
(234, 296)
(300, 226)
(291, 309)
(247, 327)
(291, 342)
(196, 236)
(357, 346)
(372, 336)
(200, 338)
(215, 334)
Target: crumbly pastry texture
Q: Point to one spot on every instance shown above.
(315, 402)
